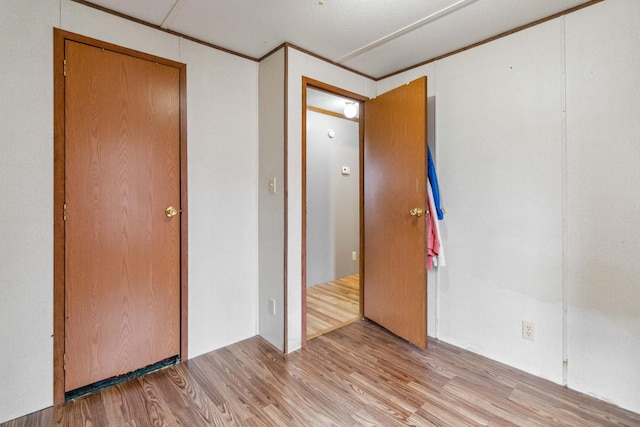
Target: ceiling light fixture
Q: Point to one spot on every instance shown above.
(350, 109)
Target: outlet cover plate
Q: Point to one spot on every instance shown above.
(528, 330)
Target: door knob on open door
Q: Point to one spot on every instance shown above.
(416, 212)
(170, 212)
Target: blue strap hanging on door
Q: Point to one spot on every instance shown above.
(433, 178)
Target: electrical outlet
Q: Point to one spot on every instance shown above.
(272, 306)
(528, 330)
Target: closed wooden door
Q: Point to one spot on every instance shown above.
(122, 246)
(395, 284)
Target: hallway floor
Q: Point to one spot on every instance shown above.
(332, 305)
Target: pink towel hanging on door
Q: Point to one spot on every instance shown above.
(433, 240)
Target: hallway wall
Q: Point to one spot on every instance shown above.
(333, 199)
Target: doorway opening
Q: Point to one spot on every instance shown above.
(393, 230)
(332, 208)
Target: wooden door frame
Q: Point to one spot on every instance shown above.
(59, 38)
(334, 90)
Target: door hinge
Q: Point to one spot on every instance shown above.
(64, 362)
(64, 68)
(64, 212)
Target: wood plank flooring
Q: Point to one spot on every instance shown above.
(332, 305)
(358, 375)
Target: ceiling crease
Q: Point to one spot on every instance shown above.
(374, 38)
(430, 18)
(172, 14)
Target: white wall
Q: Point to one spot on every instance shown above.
(299, 65)
(26, 219)
(333, 199)
(541, 204)
(222, 178)
(271, 205)
(223, 205)
(603, 210)
(500, 158)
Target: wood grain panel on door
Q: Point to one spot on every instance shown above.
(122, 253)
(395, 284)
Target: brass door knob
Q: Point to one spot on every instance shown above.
(416, 212)
(170, 212)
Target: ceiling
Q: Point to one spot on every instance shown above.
(373, 37)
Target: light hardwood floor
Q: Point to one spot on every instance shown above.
(358, 375)
(332, 305)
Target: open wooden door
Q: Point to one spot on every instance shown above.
(395, 165)
(122, 214)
